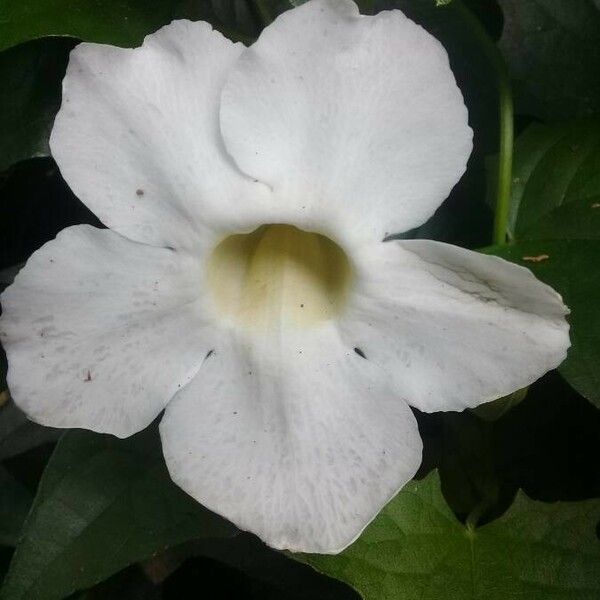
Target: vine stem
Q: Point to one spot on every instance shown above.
(505, 161)
(506, 118)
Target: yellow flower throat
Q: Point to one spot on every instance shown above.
(278, 275)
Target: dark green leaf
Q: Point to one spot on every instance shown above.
(553, 49)
(467, 467)
(416, 549)
(18, 434)
(272, 570)
(36, 204)
(548, 444)
(15, 501)
(578, 219)
(129, 584)
(555, 190)
(492, 411)
(571, 268)
(7, 276)
(118, 22)
(4, 395)
(237, 15)
(121, 22)
(556, 182)
(30, 94)
(102, 504)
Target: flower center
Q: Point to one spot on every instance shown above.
(278, 275)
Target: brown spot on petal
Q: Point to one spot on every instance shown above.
(360, 352)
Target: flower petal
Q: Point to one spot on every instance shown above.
(137, 136)
(101, 332)
(337, 111)
(453, 328)
(294, 438)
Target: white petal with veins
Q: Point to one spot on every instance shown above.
(137, 137)
(101, 332)
(453, 328)
(292, 436)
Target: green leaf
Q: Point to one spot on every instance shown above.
(118, 22)
(240, 20)
(556, 182)
(30, 95)
(470, 481)
(492, 411)
(237, 15)
(18, 434)
(272, 570)
(579, 219)
(553, 50)
(102, 504)
(15, 501)
(31, 73)
(555, 220)
(571, 268)
(416, 549)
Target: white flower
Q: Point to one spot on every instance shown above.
(244, 275)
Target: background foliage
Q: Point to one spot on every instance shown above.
(506, 503)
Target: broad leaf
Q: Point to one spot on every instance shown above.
(548, 444)
(15, 501)
(31, 73)
(577, 219)
(18, 434)
(30, 94)
(492, 411)
(553, 50)
(570, 267)
(556, 182)
(118, 22)
(467, 467)
(102, 504)
(555, 206)
(276, 576)
(236, 15)
(123, 22)
(416, 549)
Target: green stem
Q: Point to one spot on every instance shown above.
(505, 161)
(505, 154)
